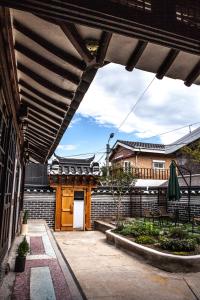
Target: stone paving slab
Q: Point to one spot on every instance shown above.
(105, 272)
(46, 275)
(41, 285)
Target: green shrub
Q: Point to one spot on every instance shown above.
(23, 248)
(138, 228)
(178, 245)
(178, 233)
(196, 237)
(144, 239)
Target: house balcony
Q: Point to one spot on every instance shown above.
(144, 173)
(150, 173)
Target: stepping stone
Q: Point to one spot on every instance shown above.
(41, 285)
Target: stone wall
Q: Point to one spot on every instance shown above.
(41, 206)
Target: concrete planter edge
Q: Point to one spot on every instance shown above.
(164, 261)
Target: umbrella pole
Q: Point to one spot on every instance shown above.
(189, 187)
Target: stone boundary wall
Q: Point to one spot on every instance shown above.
(41, 206)
(103, 207)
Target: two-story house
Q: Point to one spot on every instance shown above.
(145, 160)
(152, 161)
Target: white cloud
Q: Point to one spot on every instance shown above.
(67, 147)
(168, 104)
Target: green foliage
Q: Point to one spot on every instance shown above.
(178, 233)
(193, 152)
(145, 239)
(178, 245)
(23, 248)
(196, 237)
(139, 228)
(25, 217)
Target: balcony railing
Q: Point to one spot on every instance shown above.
(148, 173)
(144, 173)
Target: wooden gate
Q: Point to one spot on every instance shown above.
(67, 205)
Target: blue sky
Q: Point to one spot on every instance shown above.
(167, 105)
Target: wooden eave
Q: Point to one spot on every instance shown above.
(55, 66)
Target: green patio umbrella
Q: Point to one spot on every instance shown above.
(173, 190)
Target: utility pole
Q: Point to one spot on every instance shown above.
(107, 154)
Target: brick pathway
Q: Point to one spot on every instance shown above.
(44, 258)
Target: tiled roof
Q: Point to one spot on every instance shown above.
(74, 166)
(142, 145)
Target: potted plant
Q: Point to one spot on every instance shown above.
(22, 251)
(24, 230)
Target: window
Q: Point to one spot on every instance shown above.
(127, 166)
(158, 164)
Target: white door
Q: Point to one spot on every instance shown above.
(78, 214)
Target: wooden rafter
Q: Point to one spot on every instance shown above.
(41, 95)
(36, 141)
(194, 74)
(41, 132)
(44, 82)
(44, 103)
(36, 145)
(41, 110)
(40, 136)
(42, 123)
(135, 56)
(75, 38)
(40, 127)
(41, 116)
(35, 149)
(47, 63)
(173, 53)
(37, 138)
(104, 44)
(68, 58)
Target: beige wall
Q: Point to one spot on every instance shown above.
(141, 159)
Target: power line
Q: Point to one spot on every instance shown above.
(135, 104)
(176, 129)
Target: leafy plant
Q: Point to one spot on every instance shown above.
(25, 217)
(178, 245)
(145, 239)
(23, 248)
(178, 233)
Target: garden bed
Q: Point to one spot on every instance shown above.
(171, 248)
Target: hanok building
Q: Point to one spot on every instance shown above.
(73, 180)
(50, 52)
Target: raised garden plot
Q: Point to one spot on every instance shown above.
(168, 247)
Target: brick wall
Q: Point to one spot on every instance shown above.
(41, 206)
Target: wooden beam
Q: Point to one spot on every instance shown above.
(117, 17)
(49, 106)
(36, 142)
(41, 109)
(37, 139)
(36, 145)
(41, 116)
(173, 53)
(42, 123)
(75, 38)
(40, 130)
(40, 127)
(194, 74)
(44, 82)
(135, 56)
(41, 95)
(68, 58)
(39, 136)
(47, 63)
(36, 149)
(104, 44)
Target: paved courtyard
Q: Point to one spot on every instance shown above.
(105, 272)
